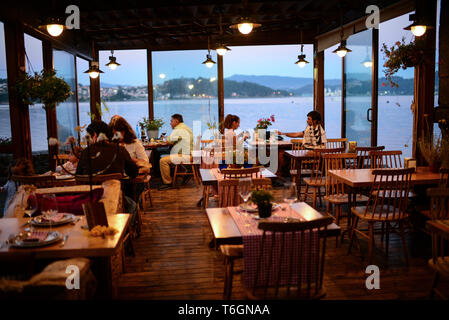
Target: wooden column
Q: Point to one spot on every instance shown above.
(77, 97)
(318, 83)
(150, 85)
(19, 113)
(95, 90)
(374, 86)
(220, 89)
(50, 111)
(424, 94)
(343, 96)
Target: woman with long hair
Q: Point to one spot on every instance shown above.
(230, 124)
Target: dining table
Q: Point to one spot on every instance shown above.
(356, 179)
(298, 156)
(281, 145)
(106, 252)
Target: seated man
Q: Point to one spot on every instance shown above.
(314, 135)
(182, 137)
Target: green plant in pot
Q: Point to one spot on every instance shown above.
(262, 199)
(435, 151)
(151, 126)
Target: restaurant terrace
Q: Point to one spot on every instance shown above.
(216, 150)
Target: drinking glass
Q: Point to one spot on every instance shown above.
(30, 208)
(245, 189)
(290, 194)
(49, 207)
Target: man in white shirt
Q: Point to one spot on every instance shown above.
(182, 137)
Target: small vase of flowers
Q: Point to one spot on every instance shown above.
(262, 199)
(151, 126)
(262, 125)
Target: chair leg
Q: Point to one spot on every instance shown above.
(352, 232)
(228, 278)
(314, 198)
(387, 237)
(306, 192)
(371, 242)
(382, 233)
(404, 243)
(337, 213)
(436, 278)
(174, 176)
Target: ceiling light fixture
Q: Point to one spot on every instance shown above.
(302, 57)
(221, 48)
(54, 26)
(208, 62)
(367, 63)
(341, 51)
(94, 70)
(112, 64)
(418, 28)
(245, 25)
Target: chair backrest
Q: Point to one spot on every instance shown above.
(206, 143)
(253, 172)
(386, 159)
(439, 202)
(297, 144)
(336, 143)
(444, 177)
(389, 194)
(97, 179)
(39, 181)
(363, 158)
(296, 244)
(337, 161)
(440, 241)
(318, 166)
(261, 183)
(228, 193)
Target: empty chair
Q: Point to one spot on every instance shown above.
(439, 203)
(261, 183)
(386, 159)
(39, 181)
(363, 158)
(182, 169)
(296, 145)
(336, 143)
(440, 259)
(384, 208)
(241, 173)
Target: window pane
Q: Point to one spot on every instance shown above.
(38, 121)
(83, 91)
(260, 81)
(332, 93)
(436, 128)
(5, 120)
(66, 114)
(395, 124)
(125, 89)
(181, 84)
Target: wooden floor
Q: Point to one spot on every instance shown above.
(173, 259)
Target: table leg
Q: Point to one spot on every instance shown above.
(351, 201)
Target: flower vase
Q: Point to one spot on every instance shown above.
(153, 134)
(264, 209)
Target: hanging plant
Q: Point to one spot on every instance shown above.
(44, 87)
(401, 55)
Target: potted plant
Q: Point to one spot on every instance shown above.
(401, 55)
(44, 87)
(263, 124)
(435, 152)
(152, 127)
(262, 199)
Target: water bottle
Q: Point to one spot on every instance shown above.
(137, 131)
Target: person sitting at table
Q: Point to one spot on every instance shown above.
(230, 124)
(314, 134)
(182, 138)
(70, 165)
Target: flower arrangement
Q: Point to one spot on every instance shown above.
(150, 124)
(263, 200)
(43, 87)
(264, 123)
(401, 55)
(435, 151)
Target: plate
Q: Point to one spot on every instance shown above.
(249, 207)
(64, 177)
(40, 222)
(52, 237)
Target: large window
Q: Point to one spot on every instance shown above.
(83, 91)
(38, 121)
(260, 81)
(436, 128)
(181, 84)
(66, 113)
(332, 93)
(395, 119)
(5, 122)
(124, 90)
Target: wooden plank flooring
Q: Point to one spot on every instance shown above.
(173, 259)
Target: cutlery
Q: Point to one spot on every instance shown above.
(25, 224)
(64, 240)
(75, 221)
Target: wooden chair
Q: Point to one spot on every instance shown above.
(253, 172)
(229, 193)
(386, 159)
(439, 203)
(440, 259)
(186, 165)
(444, 177)
(317, 178)
(39, 181)
(261, 183)
(300, 289)
(336, 143)
(296, 145)
(363, 158)
(384, 208)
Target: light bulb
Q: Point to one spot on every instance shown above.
(190, 86)
(367, 64)
(94, 74)
(341, 53)
(418, 31)
(112, 66)
(162, 76)
(221, 51)
(209, 64)
(245, 27)
(55, 29)
(212, 79)
(301, 64)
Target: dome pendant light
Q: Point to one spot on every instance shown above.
(208, 62)
(417, 27)
(245, 25)
(94, 70)
(54, 27)
(367, 63)
(302, 62)
(221, 48)
(341, 51)
(112, 64)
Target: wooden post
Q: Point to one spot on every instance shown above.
(374, 86)
(77, 97)
(150, 85)
(19, 112)
(343, 98)
(424, 94)
(220, 89)
(95, 89)
(318, 83)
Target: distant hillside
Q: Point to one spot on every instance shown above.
(277, 82)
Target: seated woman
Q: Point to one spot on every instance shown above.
(70, 165)
(232, 123)
(314, 135)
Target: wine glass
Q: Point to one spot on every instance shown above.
(245, 189)
(30, 208)
(49, 207)
(290, 194)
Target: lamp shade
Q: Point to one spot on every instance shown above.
(302, 62)
(112, 64)
(93, 71)
(222, 49)
(245, 26)
(209, 62)
(341, 51)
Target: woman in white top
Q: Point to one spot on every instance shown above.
(128, 138)
(232, 123)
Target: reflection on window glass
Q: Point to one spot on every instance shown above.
(5, 122)
(260, 81)
(83, 91)
(436, 129)
(124, 90)
(66, 114)
(183, 85)
(395, 119)
(38, 121)
(332, 93)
